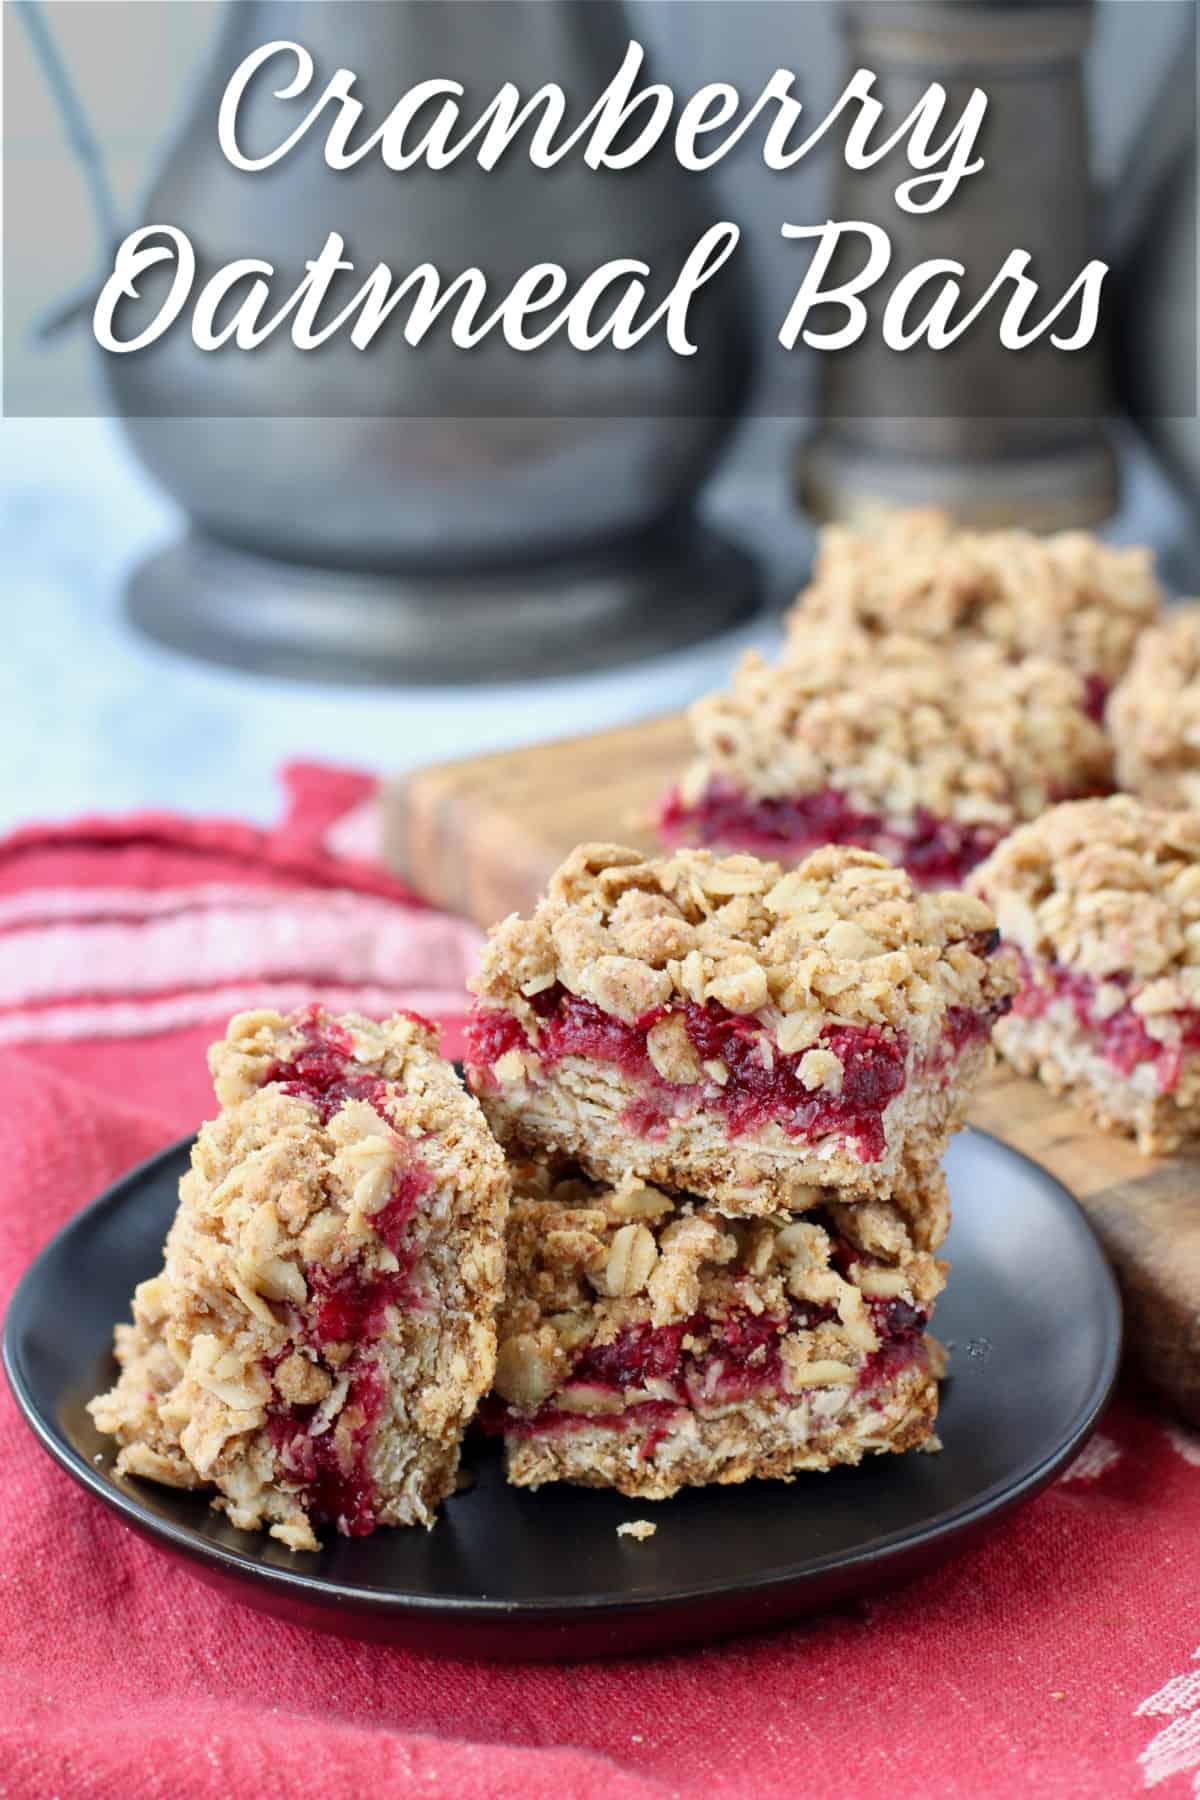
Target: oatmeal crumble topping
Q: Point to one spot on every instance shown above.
(1068, 597)
(566, 1232)
(843, 935)
(1154, 715)
(900, 728)
(1110, 887)
(641, 1529)
(260, 1047)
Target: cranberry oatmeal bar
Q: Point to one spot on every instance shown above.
(1102, 902)
(726, 1028)
(649, 1343)
(323, 1325)
(928, 756)
(1067, 597)
(1154, 715)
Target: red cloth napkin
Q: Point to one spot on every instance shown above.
(1060, 1660)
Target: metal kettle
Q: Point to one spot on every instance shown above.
(402, 513)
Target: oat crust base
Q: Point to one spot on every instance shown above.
(1055, 1052)
(765, 1442)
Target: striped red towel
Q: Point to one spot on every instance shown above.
(156, 927)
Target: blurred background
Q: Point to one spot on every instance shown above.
(141, 674)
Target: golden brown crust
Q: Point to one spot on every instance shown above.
(900, 728)
(1154, 715)
(285, 1202)
(1067, 597)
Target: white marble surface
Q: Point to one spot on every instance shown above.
(96, 719)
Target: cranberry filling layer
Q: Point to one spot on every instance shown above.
(761, 1086)
(936, 852)
(350, 1307)
(1096, 698)
(741, 1360)
(1121, 1036)
(324, 1071)
(900, 1329)
(331, 1466)
(962, 1026)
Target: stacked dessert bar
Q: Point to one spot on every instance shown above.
(725, 1090)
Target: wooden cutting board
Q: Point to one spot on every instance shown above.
(481, 837)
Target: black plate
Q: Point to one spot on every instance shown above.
(1034, 1324)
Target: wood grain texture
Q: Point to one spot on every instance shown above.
(1146, 1213)
(481, 837)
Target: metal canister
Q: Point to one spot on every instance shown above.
(996, 436)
